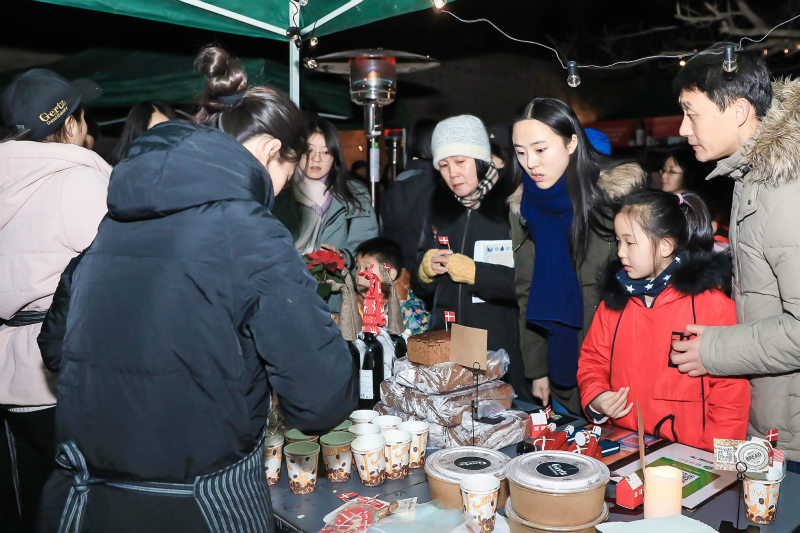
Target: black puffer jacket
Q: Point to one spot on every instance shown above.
(494, 284)
(189, 308)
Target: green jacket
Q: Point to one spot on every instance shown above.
(765, 240)
(617, 182)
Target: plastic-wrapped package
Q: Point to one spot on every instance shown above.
(449, 377)
(353, 517)
(447, 409)
(424, 519)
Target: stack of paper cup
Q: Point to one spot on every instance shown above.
(359, 430)
(479, 495)
(363, 415)
(387, 422)
(368, 454)
(419, 442)
(337, 456)
(398, 443)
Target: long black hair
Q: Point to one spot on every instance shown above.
(243, 112)
(590, 204)
(338, 177)
(135, 124)
(684, 218)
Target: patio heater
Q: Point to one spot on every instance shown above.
(373, 85)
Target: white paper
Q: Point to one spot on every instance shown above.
(694, 465)
(499, 252)
(667, 524)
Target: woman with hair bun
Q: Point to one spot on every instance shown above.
(189, 310)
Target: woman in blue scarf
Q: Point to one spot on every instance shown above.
(562, 209)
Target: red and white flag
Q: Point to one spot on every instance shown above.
(772, 436)
(449, 316)
(548, 412)
(444, 241)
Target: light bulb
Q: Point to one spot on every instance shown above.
(682, 62)
(303, 2)
(314, 41)
(573, 80)
(439, 4)
(729, 63)
(311, 62)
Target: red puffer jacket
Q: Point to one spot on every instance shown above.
(628, 345)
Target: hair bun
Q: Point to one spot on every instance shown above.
(226, 76)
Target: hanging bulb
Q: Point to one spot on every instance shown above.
(439, 4)
(573, 80)
(682, 62)
(314, 41)
(311, 62)
(303, 3)
(729, 63)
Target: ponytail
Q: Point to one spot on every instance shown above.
(684, 218)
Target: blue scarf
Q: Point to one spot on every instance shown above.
(651, 287)
(555, 302)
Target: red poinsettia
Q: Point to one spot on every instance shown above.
(325, 265)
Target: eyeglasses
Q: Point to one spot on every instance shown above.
(665, 171)
(324, 155)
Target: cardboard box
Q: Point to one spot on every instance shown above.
(463, 345)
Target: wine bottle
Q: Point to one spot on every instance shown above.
(357, 350)
(371, 374)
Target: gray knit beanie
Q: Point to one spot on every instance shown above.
(460, 135)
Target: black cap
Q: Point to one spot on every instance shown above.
(40, 100)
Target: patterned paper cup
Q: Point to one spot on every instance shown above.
(369, 458)
(479, 496)
(398, 443)
(336, 454)
(761, 500)
(359, 430)
(363, 415)
(419, 442)
(387, 422)
(301, 465)
(295, 435)
(273, 445)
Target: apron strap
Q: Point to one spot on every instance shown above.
(70, 458)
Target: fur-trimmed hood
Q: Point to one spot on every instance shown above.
(616, 182)
(769, 156)
(701, 272)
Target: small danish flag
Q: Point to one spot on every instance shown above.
(548, 412)
(772, 436)
(449, 316)
(444, 241)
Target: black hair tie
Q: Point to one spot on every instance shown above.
(231, 98)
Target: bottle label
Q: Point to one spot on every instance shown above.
(365, 385)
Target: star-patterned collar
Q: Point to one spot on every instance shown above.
(650, 287)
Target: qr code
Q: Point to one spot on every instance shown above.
(724, 454)
(688, 477)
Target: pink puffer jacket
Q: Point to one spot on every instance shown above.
(52, 197)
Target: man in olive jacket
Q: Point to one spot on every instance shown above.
(752, 126)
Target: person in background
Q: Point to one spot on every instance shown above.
(359, 171)
(141, 117)
(322, 207)
(598, 140)
(469, 206)
(563, 207)
(52, 197)
(680, 171)
(666, 276)
(190, 308)
(500, 143)
(747, 123)
(382, 250)
(405, 204)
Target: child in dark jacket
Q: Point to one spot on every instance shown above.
(666, 277)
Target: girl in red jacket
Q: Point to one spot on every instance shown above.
(666, 277)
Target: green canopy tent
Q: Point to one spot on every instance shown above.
(272, 19)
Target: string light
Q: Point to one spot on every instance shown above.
(785, 50)
(573, 80)
(311, 62)
(314, 41)
(729, 63)
(572, 66)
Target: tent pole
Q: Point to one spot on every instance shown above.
(330, 16)
(235, 16)
(294, 54)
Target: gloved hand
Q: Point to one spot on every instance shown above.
(461, 269)
(433, 263)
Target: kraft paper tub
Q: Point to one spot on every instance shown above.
(446, 467)
(518, 525)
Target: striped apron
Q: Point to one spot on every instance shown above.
(234, 499)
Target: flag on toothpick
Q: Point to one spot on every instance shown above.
(444, 241)
(449, 316)
(772, 437)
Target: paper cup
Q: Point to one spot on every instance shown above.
(761, 500)
(363, 415)
(336, 454)
(359, 430)
(419, 442)
(343, 426)
(273, 446)
(387, 422)
(301, 466)
(479, 496)
(368, 454)
(295, 435)
(398, 444)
